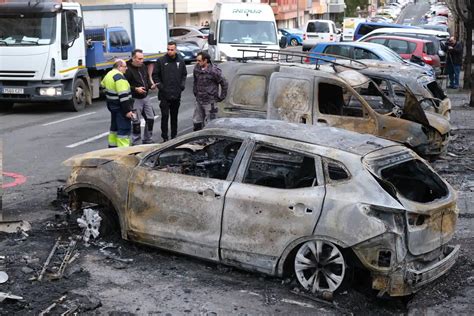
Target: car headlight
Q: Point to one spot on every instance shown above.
(424, 79)
(50, 91)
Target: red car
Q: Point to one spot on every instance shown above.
(406, 47)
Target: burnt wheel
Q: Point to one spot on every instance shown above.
(319, 266)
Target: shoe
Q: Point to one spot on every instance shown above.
(165, 140)
(147, 142)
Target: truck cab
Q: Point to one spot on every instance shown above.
(42, 53)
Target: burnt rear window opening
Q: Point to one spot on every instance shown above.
(415, 181)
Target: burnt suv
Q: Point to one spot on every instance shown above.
(279, 198)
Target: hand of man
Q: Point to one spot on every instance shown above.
(153, 86)
(129, 115)
(140, 90)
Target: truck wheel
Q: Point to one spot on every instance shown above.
(6, 106)
(78, 102)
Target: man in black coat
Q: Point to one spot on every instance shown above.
(454, 50)
(169, 76)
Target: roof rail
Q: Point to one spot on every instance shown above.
(288, 56)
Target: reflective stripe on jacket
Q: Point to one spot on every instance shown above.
(117, 90)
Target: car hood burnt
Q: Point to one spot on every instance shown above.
(103, 156)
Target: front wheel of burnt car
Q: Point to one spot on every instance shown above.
(319, 266)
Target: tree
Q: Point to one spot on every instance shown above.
(463, 13)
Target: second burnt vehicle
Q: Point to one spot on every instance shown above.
(309, 202)
(299, 93)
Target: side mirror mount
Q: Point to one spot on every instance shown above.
(211, 39)
(283, 41)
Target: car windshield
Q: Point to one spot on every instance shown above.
(244, 32)
(388, 55)
(27, 29)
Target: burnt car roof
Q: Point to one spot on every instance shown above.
(352, 142)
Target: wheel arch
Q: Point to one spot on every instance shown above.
(87, 192)
(83, 74)
(288, 254)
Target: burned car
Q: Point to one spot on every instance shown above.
(301, 94)
(280, 198)
(395, 81)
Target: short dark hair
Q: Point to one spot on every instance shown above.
(135, 51)
(172, 43)
(205, 56)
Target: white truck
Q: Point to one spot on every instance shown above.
(237, 26)
(349, 26)
(45, 57)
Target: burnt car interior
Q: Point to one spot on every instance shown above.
(277, 168)
(415, 181)
(209, 157)
(335, 100)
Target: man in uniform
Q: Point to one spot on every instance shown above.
(120, 105)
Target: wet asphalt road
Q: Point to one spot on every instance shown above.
(413, 13)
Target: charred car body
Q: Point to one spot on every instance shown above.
(301, 94)
(280, 198)
(395, 81)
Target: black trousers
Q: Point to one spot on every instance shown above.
(169, 108)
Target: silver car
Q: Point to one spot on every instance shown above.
(280, 198)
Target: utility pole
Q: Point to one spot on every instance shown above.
(297, 14)
(174, 12)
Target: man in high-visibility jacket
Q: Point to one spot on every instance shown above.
(120, 105)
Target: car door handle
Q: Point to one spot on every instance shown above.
(209, 192)
(300, 207)
(322, 121)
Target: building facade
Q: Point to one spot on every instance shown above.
(288, 13)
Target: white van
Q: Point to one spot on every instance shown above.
(237, 26)
(349, 25)
(318, 31)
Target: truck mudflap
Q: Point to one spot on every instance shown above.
(407, 281)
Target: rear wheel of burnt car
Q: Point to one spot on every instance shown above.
(319, 266)
(79, 96)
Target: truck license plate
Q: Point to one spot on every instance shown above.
(13, 90)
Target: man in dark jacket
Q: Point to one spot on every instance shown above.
(169, 76)
(140, 84)
(207, 80)
(454, 50)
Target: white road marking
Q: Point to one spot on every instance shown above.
(68, 119)
(85, 141)
(91, 139)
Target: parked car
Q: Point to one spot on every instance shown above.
(380, 19)
(294, 36)
(363, 50)
(291, 200)
(189, 34)
(368, 27)
(188, 50)
(437, 37)
(301, 94)
(436, 27)
(406, 47)
(319, 31)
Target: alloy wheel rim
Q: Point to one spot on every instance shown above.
(319, 266)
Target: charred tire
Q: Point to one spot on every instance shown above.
(294, 42)
(79, 96)
(6, 106)
(109, 225)
(319, 266)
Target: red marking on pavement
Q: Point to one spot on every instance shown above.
(19, 179)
